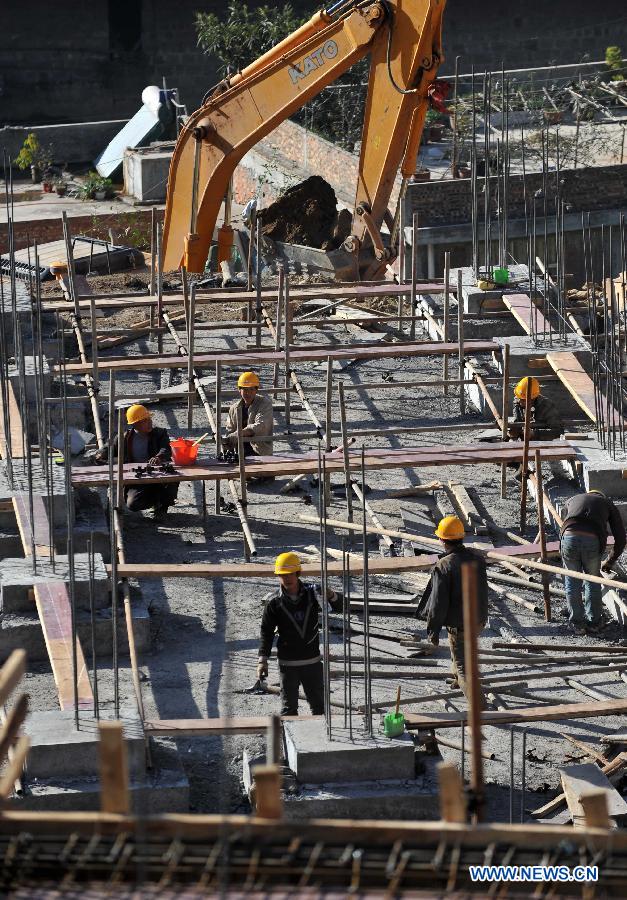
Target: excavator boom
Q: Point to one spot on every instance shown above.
(403, 38)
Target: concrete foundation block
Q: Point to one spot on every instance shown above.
(600, 470)
(161, 791)
(522, 348)
(17, 578)
(29, 383)
(10, 545)
(315, 759)
(57, 507)
(23, 631)
(58, 748)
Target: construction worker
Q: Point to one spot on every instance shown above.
(445, 598)
(257, 418)
(292, 612)
(583, 539)
(144, 443)
(546, 421)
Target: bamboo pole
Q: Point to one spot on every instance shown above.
(505, 416)
(540, 502)
(525, 463)
(190, 357)
(447, 311)
(347, 474)
(460, 340)
(473, 685)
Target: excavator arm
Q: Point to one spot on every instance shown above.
(403, 38)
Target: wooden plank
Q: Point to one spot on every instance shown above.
(12, 725)
(555, 647)
(290, 464)
(15, 426)
(463, 502)
(248, 357)
(221, 725)
(53, 606)
(323, 292)
(11, 674)
(547, 713)
(584, 778)
(15, 768)
(114, 794)
(526, 313)
(25, 527)
(576, 380)
(268, 800)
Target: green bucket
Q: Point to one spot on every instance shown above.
(393, 724)
(501, 276)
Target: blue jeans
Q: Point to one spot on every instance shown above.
(582, 553)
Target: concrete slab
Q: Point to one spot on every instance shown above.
(315, 759)
(58, 748)
(522, 348)
(17, 578)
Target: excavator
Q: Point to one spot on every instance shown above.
(403, 39)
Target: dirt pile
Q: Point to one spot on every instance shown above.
(305, 214)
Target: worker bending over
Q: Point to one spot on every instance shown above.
(546, 422)
(445, 600)
(257, 419)
(144, 443)
(583, 539)
(292, 612)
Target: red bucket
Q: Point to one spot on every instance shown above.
(183, 451)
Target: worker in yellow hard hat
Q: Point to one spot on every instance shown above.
(292, 612)
(546, 421)
(257, 417)
(443, 594)
(144, 443)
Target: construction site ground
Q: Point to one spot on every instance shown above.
(205, 632)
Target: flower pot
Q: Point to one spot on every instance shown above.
(435, 133)
(552, 116)
(100, 195)
(47, 186)
(35, 174)
(61, 190)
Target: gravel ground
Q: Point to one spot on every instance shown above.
(205, 632)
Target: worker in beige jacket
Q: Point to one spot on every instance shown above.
(257, 418)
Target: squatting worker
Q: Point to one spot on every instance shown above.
(144, 443)
(292, 612)
(583, 540)
(546, 421)
(445, 598)
(257, 419)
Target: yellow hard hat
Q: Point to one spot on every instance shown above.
(136, 413)
(248, 379)
(286, 563)
(527, 386)
(450, 529)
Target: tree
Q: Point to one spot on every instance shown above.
(246, 33)
(614, 62)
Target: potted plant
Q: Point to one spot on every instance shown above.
(35, 156)
(434, 125)
(47, 181)
(95, 187)
(60, 187)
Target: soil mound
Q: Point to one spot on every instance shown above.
(305, 214)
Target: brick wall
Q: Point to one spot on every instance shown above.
(582, 190)
(293, 152)
(131, 228)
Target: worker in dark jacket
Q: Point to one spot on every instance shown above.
(446, 603)
(546, 421)
(583, 540)
(293, 613)
(144, 443)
